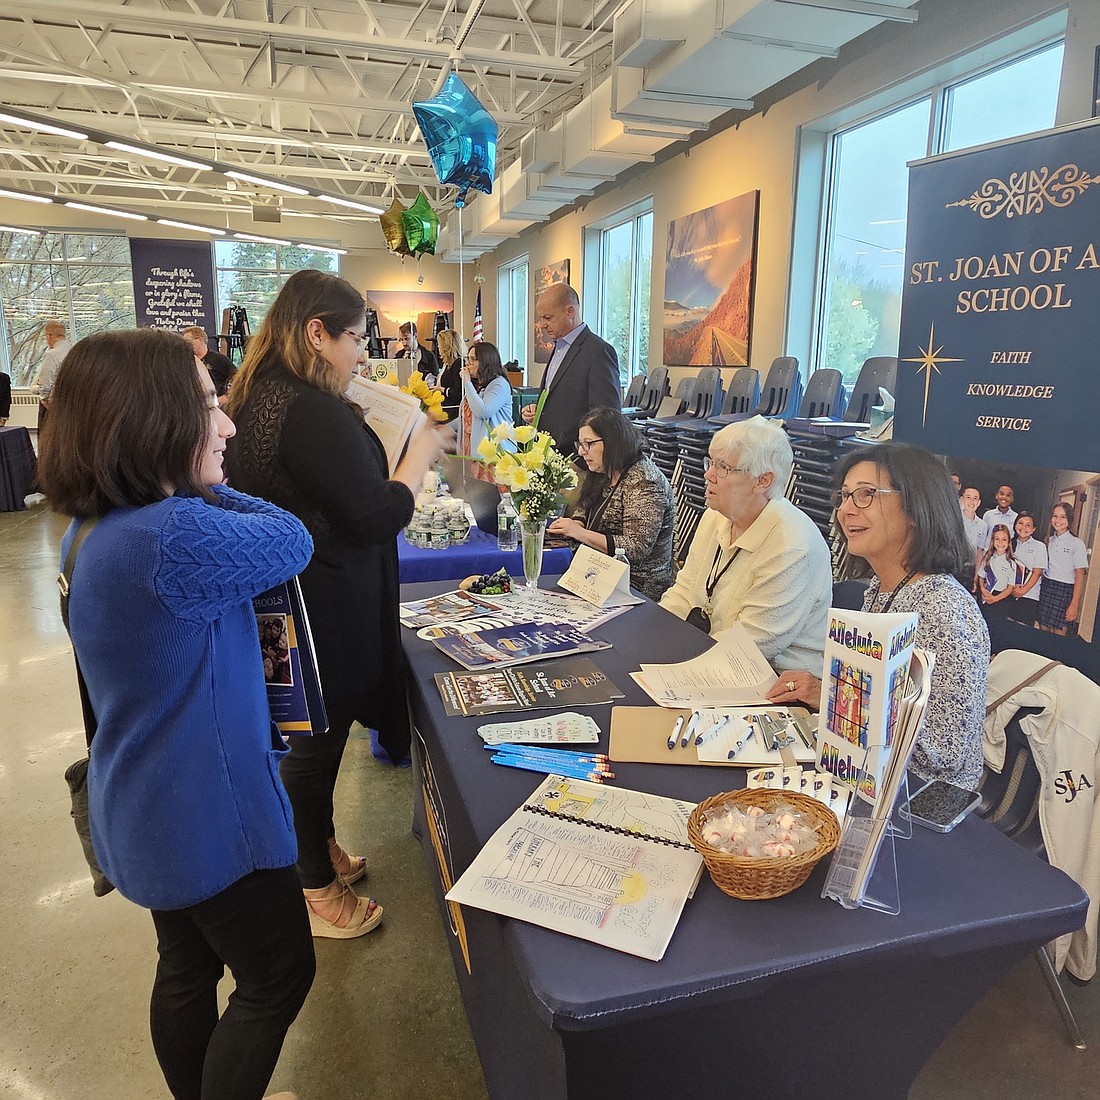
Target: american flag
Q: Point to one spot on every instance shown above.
(479, 333)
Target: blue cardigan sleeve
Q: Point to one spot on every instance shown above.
(214, 556)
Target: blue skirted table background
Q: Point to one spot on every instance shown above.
(19, 469)
(479, 554)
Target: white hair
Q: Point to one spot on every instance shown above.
(760, 446)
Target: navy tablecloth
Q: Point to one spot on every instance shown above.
(18, 468)
(790, 997)
(479, 554)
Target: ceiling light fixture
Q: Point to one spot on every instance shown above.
(23, 197)
(44, 127)
(323, 248)
(14, 229)
(262, 240)
(353, 205)
(156, 154)
(107, 210)
(188, 225)
(277, 184)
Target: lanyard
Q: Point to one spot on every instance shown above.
(893, 595)
(714, 578)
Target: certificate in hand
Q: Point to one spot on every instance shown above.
(390, 412)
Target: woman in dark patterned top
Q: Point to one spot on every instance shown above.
(625, 503)
(304, 446)
(900, 517)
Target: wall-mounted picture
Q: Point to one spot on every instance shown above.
(710, 270)
(1033, 531)
(548, 275)
(395, 307)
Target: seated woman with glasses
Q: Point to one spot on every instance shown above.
(900, 516)
(625, 502)
(756, 559)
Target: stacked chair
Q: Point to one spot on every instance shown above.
(780, 393)
(653, 392)
(634, 391)
(818, 446)
(662, 434)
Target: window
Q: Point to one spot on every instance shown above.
(80, 279)
(619, 251)
(251, 273)
(858, 309)
(513, 310)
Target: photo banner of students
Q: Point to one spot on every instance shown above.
(1000, 328)
(173, 284)
(999, 342)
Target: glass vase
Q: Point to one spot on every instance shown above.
(532, 532)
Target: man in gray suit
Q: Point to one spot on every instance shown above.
(583, 372)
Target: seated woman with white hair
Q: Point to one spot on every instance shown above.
(756, 559)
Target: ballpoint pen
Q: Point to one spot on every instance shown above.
(675, 732)
(740, 745)
(689, 729)
(714, 730)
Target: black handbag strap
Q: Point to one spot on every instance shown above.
(64, 580)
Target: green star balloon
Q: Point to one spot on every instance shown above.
(421, 224)
(394, 230)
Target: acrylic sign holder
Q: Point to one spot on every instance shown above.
(864, 870)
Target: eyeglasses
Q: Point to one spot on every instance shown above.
(721, 469)
(583, 446)
(861, 497)
(359, 338)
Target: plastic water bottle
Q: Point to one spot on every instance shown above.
(507, 524)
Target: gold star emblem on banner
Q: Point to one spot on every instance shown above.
(929, 360)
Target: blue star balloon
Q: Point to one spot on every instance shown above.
(461, 137)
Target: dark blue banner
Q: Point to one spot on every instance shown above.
(1000, 322)
(173, 284)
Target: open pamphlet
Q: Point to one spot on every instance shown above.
(865, 678)
(598, 578)
(290, 665)
(566, 682)
(516, 645)
(732, 672)
(604, 864)
(391, 413)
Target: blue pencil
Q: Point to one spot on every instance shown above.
(538, 766)
(551, 761)
(550, 754)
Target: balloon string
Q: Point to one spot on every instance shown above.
(461, 275)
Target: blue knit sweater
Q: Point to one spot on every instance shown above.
(184, 789)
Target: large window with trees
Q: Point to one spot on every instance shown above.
(251, 273)
(619, 254)
(80, 279)
(859, 292)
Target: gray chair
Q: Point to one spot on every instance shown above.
(779, 394)
(880, 370)
(824, 394)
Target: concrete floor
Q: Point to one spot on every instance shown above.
(384, 1020)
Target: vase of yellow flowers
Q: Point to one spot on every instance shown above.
(524, 461)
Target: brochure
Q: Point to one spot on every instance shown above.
(391, 413)
(863, 682)
(515, 645)
(290, 666)
(448, 607)
(607, 865)
(567, 682)
(599, 579)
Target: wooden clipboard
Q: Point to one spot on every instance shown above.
(639, 735)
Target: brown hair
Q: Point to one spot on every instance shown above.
(489, 365)
(127, 418)
(282, 342)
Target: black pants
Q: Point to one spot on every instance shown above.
(309, 775)
(259, 928)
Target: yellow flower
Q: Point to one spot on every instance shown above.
(486, 451)
(519, 478)
(530, 460)
(506, 467)
(416, 378)
(525, 433)
(504, 431)
(437, 413)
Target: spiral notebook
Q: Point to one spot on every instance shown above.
(600, 863)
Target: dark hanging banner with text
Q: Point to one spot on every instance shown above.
(173, 284)
(1000, 322)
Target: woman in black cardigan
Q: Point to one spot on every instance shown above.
(302, 445)
(452, 355)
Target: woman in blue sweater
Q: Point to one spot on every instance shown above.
(486, 401)
(188, 817)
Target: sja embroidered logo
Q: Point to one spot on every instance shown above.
(1065, 784)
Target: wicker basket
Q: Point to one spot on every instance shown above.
(754, 879)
